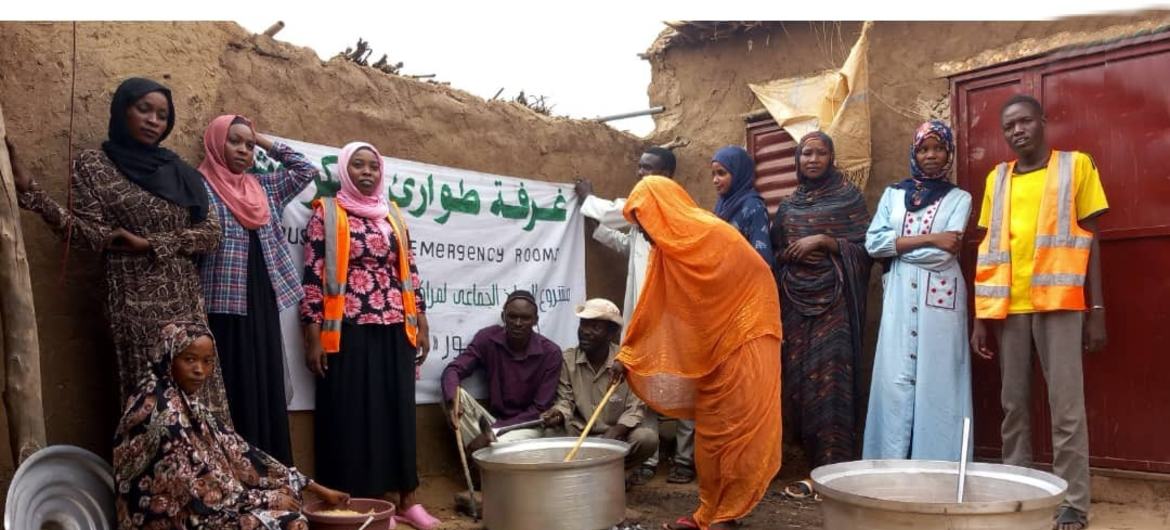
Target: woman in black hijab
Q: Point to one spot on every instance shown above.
(146, 212)
(822, 270)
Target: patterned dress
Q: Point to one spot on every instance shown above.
(176, 466)
(143, 291)
(823, 313)
(364, 418)
(373, 293)
(752, 222)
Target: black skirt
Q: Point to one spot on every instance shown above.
(251, 354)
(364, 419)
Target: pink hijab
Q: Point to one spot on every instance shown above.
(376, 206)
(241, 192)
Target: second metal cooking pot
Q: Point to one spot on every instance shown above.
(526, 486)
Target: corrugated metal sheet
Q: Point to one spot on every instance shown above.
(774, 151)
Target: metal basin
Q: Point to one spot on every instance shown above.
(917, 494)
(526, 486)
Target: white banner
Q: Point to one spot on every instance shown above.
(476, 237)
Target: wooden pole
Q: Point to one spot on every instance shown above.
(22, 353)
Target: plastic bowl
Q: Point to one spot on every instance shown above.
(383, 511)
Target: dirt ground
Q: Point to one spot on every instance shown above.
(1125, 505)
(650, 505)
(658, 502)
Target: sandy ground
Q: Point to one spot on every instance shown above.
(657, 502)
(650, 506)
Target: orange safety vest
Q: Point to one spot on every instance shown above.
(337, 268)
(1062, 246)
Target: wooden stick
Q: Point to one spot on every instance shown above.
(592, 419)
(463, 454)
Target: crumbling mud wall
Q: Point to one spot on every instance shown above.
(56, 80)
(704, 85)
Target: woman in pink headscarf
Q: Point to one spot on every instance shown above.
(250, 277)
(365, 332)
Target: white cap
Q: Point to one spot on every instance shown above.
(600, 309)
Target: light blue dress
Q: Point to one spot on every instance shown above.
(922, 369)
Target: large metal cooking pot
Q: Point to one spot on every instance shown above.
(526, 486)
(917, 494)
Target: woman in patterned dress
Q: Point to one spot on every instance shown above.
(365, 355)
(176, 466)
(146, 211)
(822, 270)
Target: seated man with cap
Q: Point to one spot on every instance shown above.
(585, 378)
(521, 366)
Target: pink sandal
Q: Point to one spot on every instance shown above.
(418, 517)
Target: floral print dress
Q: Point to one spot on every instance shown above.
(373, 292)
(177, 466)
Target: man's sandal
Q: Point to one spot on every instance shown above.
(1070, 518)
(681, 474)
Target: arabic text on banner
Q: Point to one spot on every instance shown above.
(476, 238)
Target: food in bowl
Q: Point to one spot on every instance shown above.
(344, 512)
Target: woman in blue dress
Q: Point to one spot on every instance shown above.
(921, 387)
(733, 172)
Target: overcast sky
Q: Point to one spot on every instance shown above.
(586, 66)
(581, 55)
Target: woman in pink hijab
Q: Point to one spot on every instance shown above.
(366, 333)
(251, 278)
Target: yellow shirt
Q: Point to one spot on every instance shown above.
(1027, 188)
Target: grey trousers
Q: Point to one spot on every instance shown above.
(1058, 341)
(684, 439)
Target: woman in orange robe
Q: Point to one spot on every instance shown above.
(704, 343)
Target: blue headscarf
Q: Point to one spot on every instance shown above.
(739, 163)
(922, 188)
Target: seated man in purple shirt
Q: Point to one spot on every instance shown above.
(522, 367)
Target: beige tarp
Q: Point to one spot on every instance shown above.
(835, 101)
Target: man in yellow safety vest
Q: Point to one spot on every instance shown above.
(1036, 260)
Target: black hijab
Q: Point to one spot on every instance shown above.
(809, 190)
(156, 169)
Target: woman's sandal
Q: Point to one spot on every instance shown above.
(418, 518)
(801, 489)
(685, 522)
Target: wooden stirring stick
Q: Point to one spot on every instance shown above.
(592, 419)
(463, 455)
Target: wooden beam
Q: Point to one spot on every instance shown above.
(22, 353)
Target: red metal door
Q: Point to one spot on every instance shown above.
(1111, 102)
